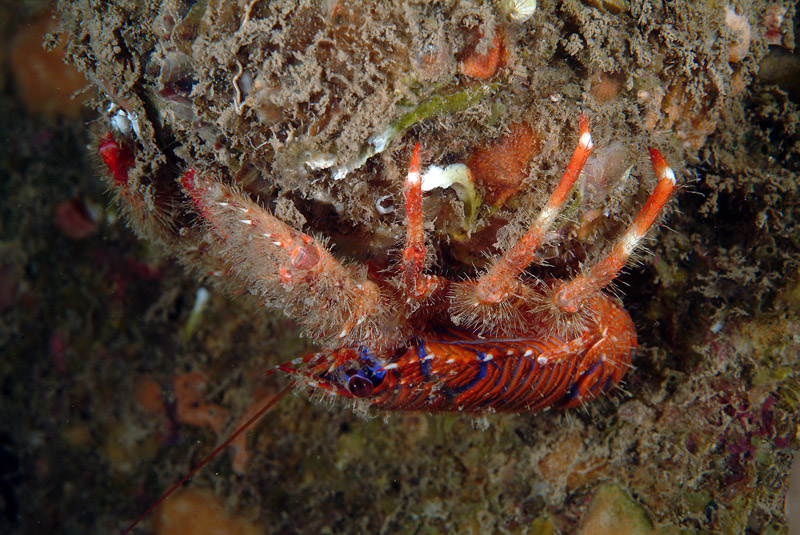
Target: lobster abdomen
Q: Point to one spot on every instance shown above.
(460, 372)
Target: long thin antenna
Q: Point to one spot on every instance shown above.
(244, 427)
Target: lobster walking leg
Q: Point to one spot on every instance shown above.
(497, 284)
(573, 294)
(418, 285)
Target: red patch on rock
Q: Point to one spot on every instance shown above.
(483, 65)
(501, 166)
(74, 219)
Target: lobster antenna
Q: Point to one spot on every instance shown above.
(244, 427)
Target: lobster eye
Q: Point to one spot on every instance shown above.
(358, 384)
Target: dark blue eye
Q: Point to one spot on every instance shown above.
(358, 384)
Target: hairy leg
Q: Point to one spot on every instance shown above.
(573, 294)
(496, 299)
(288, 268)
(418, 285)
(501, 280)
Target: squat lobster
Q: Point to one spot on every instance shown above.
(416, 341)
(423, 342)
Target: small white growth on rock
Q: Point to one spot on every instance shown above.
(518, 10)
(383, 210)
(444, 177)
(123, 121)
(321, 160)
(738, 49)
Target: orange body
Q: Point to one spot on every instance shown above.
(452, 369)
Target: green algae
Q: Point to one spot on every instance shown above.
(436, 106)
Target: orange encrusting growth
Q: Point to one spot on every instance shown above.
(200, 512)
(46, 83)
(482, 66)
(191, 409)
(149, 396)
(500, 167)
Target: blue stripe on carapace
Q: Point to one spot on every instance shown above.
(575, 389)
(542, 376)
(497, 379)
(509, 401)
(424, 364)
(499, 396)
(602, 366)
